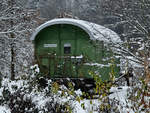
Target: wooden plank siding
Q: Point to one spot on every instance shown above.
(55, 63)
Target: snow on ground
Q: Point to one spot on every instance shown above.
(13, 85)
(82, 106)
(120, 94)
(4, 109)
(40, 101)
(39, 98)
(88, 106)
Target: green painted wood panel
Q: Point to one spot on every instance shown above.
(55, 63)
(49, 35)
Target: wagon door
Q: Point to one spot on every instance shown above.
(67, 37)
(47, 49)
(53, 50)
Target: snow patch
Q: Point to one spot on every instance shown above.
(95, 31)
(4, 109)
(97, 64)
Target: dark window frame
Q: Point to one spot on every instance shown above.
(67, 48)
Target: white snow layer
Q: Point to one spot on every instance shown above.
(4, 109)
(121, 96)
(118, 94)
(95, 31)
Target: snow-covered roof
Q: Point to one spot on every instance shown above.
(95, 31)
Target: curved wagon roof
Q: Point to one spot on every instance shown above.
(95, 31)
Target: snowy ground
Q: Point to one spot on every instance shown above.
(4, 109)
(39, 98)
(119, 94)
(43, 96)
(90, 105)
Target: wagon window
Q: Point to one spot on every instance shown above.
(67, 48)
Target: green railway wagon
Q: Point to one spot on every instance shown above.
(70, 48)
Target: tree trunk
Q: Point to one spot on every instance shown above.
(12, 46)
(12, 63)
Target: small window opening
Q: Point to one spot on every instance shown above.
(67, 48)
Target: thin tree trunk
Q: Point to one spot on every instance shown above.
(12, 63)
(12, 46)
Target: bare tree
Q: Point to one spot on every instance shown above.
(134, 18)
(17, 23)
